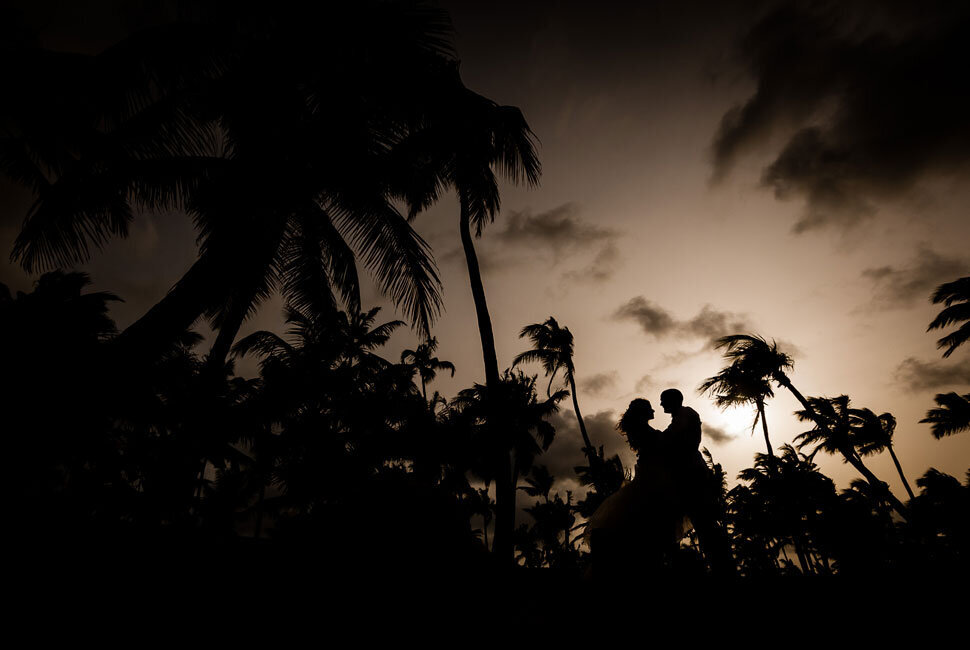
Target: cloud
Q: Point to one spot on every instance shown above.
(643, 384)
(566, 453)
(557, 236)
(559, 230)
(651, 318)
(902, 287)
(924, 375)
(868, 95)
(716, 435)
(709, 324)
(600, 269)
(599, 383)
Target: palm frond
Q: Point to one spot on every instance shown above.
(952, 417)
(399, 257)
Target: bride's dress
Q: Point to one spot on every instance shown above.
(647, 507)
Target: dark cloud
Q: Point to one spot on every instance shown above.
(716, 435)
(924, 375)
(871, 97)
(709, 324)
(653, 319)
(599, 383)
(559, 230)
(896, 287)
(566, 453)
(558, 235)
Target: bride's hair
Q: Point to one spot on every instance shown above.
(633, 417)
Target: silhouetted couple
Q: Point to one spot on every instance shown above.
(638, 529)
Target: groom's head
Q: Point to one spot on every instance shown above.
(671, 400)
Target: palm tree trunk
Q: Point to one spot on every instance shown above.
(259, 512)
(899, 468)
(802, 559)
(764, 427)
(588, 449)
(878, 486)
(504, 490)
(228, 329)
(173, 314)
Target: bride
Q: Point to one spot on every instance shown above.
(634, 528)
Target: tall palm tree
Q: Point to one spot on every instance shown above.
(955, 297)
(288, 187)
(873, 434)
(427, 365)
(738, 384)
(833, 434)
(552, 346)
(953, 416)
(467, 141)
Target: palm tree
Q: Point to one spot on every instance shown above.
(427, 365)
(739, 384)
(481, 504)
(955, 297)
(539, 482)
(509, 429)
(953, 416)
(287, 187)
(552, 346)
(791, 492)
(833, 434)
(58, 388)
(467, 140)
(873, 434)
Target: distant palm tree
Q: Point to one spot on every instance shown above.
(873, 434)
(427, 365)
(791, 491)
(833, 434)
(552, 346)
(508, 422)
(953, 416)
(738, 384)
(539, 482)
(955, 297)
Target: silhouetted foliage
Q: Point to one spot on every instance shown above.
(953, 416)
(955, 297)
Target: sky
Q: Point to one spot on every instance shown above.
(793, 170)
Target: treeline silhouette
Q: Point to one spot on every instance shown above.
(292, 152)
(335, 447)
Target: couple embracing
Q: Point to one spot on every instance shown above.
(639, 528)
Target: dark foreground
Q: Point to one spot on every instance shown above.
(229, 590)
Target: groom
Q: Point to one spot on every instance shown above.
(680, 442)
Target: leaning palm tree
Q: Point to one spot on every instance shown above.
(953, 416)
(833, 434)
(425, 364)
(737, 385)
(552, 346)
(955, 297)
(873, 434)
